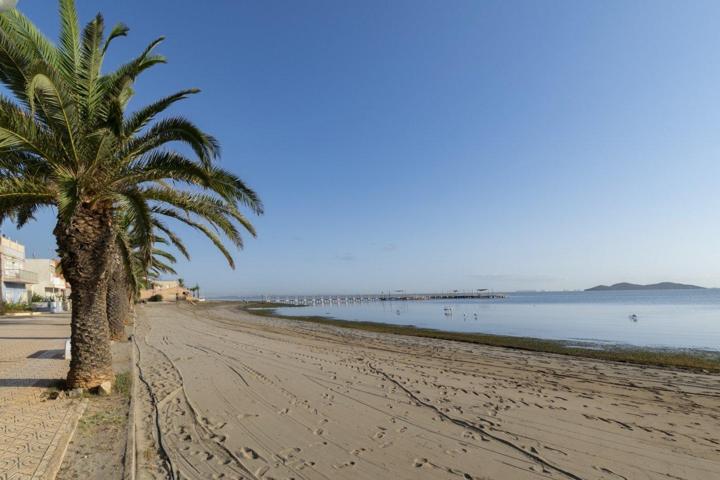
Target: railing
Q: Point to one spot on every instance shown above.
(19, 276)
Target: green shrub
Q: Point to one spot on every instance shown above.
(156, 298)
(15, 307)
(123, 383)
(37, 298)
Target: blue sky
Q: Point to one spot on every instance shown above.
(427, 145)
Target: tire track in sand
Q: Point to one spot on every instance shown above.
(192, 447)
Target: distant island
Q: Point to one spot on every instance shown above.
(654, 286)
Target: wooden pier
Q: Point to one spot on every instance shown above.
(393, 297)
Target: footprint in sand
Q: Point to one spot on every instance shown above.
(289, 453)
(456, 451)
(421, 462)
(248, 453)
(243, 416)
(381, 434)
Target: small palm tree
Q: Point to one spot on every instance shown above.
(67, 141)
(131, 266)
(128, 266)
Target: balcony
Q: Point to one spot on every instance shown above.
(58, 282)
(19, 276)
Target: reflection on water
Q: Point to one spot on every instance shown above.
(679, 319)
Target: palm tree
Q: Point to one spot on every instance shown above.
(128, 270)
(117, 300)
(67, 141)
(130, 264)
(127, 266)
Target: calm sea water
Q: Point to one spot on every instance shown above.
(665, 318)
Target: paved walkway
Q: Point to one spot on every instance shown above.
(34, 431)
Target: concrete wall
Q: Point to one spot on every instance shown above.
(168, 294)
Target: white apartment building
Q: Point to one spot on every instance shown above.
(50, 284)
(15, 278)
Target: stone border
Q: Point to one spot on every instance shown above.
(130, 463)
(61, 441)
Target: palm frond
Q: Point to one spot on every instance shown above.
(215, 211)
(160, 267)
(14, 60)
(118, 81)
(163, 165)
(177, 129)
(69, 39)
(159, 253)
(142, 117)
(138, 212)
(68, 196)
(20, 197)
(91, 58)
(212, 236)
(119, 30)
(131, 267)
(47, 87)
(34, 45)
(232, 189)
(172, 238)
(18, 131)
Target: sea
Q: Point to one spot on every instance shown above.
(674, 319)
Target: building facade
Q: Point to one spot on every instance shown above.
(164, 284)
(50, 284)
(15, 278)
(169, 289)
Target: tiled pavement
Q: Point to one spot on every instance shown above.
(34, 431)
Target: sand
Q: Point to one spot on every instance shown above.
(232, 395)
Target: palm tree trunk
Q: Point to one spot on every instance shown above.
(117, 298)
(84, 244)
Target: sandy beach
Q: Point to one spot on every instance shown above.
(226, 394)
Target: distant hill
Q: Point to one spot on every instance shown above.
(654, 286)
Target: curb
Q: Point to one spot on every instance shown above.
(63, 442)
(130, 464)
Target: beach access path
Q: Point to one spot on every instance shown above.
(34, 431)
(234, 395)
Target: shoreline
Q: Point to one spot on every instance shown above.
(704, 361)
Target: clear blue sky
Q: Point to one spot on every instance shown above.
(428, 145)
